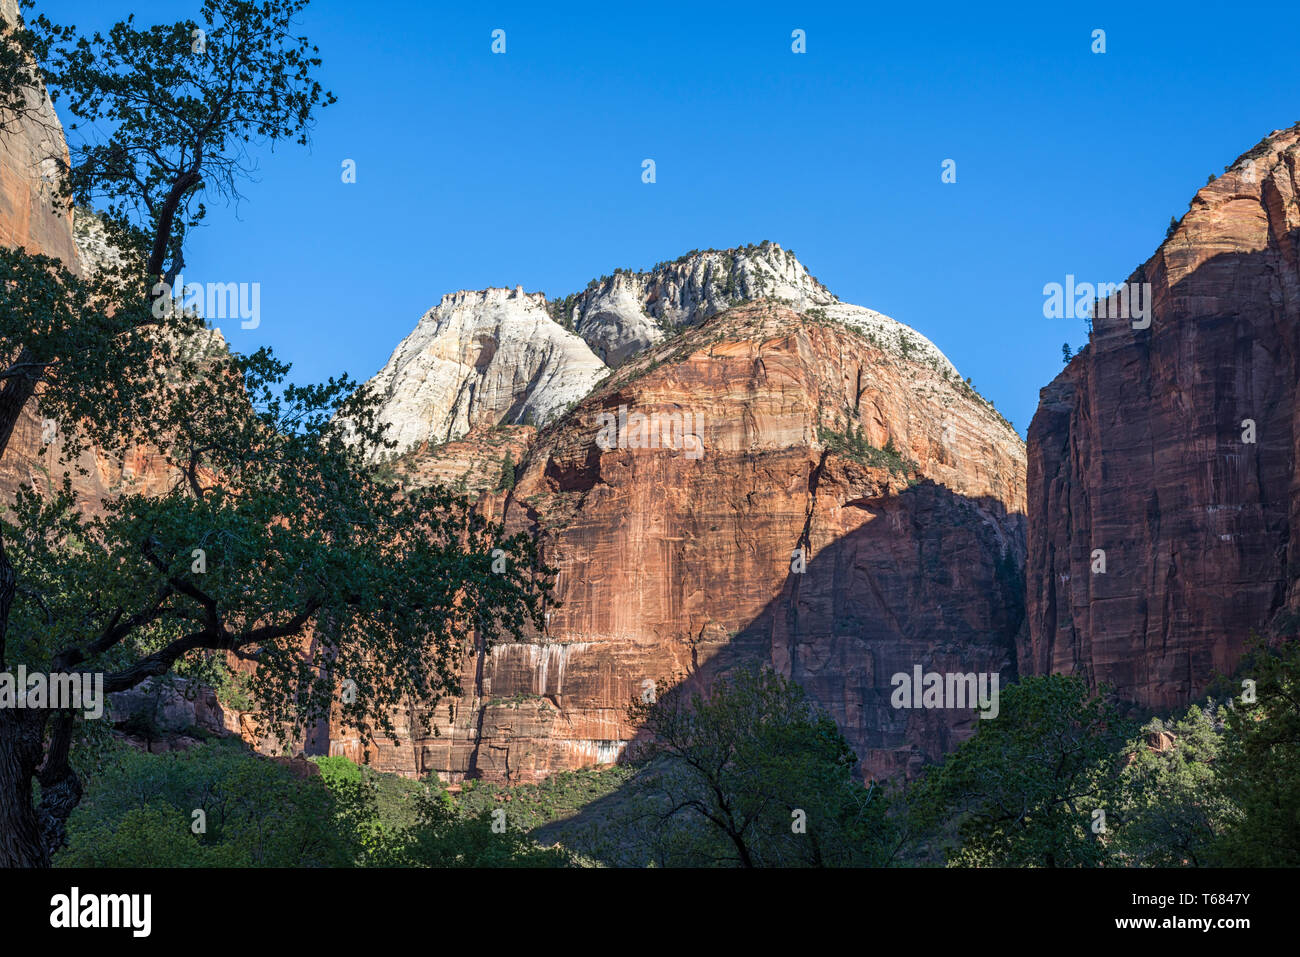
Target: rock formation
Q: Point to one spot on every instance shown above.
(826, 494)
(30, 155)
(492, 357)
(1172, 450)
(623, 314)
(478, 359)
(845, 435)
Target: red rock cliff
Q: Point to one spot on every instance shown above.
(672, 564)
(1140, 448)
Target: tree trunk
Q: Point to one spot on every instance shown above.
(13, 397)
(60, 785)
(20, 751)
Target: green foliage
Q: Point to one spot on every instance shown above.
(443, 836)
(1257, 762)
(1172, 811)
(561, 310)
(853, 444)
(555, 798)
(751, 775)
(183, 113)
(298, 534)
(391, 797)
(1022, 791)
(507, 480)
(138, 811)
(91, 347)
(18, 74)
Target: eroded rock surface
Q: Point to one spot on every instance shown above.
(1141, 449)
(673, 563)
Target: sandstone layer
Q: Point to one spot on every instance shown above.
(1172, 450)
(479, 359)
(30, 155)
(674, 564)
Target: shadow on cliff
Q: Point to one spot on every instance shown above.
(931, 578)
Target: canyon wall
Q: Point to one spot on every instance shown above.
(31, 149)
(1172, 450)
(847, 509)
(680, 561)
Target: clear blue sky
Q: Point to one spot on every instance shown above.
(477, 169)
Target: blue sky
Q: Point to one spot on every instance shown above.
(476, 169)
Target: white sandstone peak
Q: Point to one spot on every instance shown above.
(488, 356)
(482, 357)
(628, 312)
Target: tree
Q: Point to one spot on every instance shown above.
(1171, 810)
(1257, 763)
(507, 479)
(444, 837)
(1023, 791)
(20, 86)
(139, 811)
(753, 774)
(313, 571)
(1066, 354)
(185, 102)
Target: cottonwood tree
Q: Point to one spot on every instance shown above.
(1023, 791)
(20, 83)
(314, 571)
(753, 774)
(166, 114)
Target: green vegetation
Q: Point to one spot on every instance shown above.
(852, 444)
(561, 310)
(1022, 791)
(752, 774)
(1257, 770)
(140, 811)
(1172, 810)
(1060, 779)
(556, 798)
(276, 528)
(507, 480)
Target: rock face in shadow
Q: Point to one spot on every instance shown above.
(30, 152)
(1172, 449)
(902, 488)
